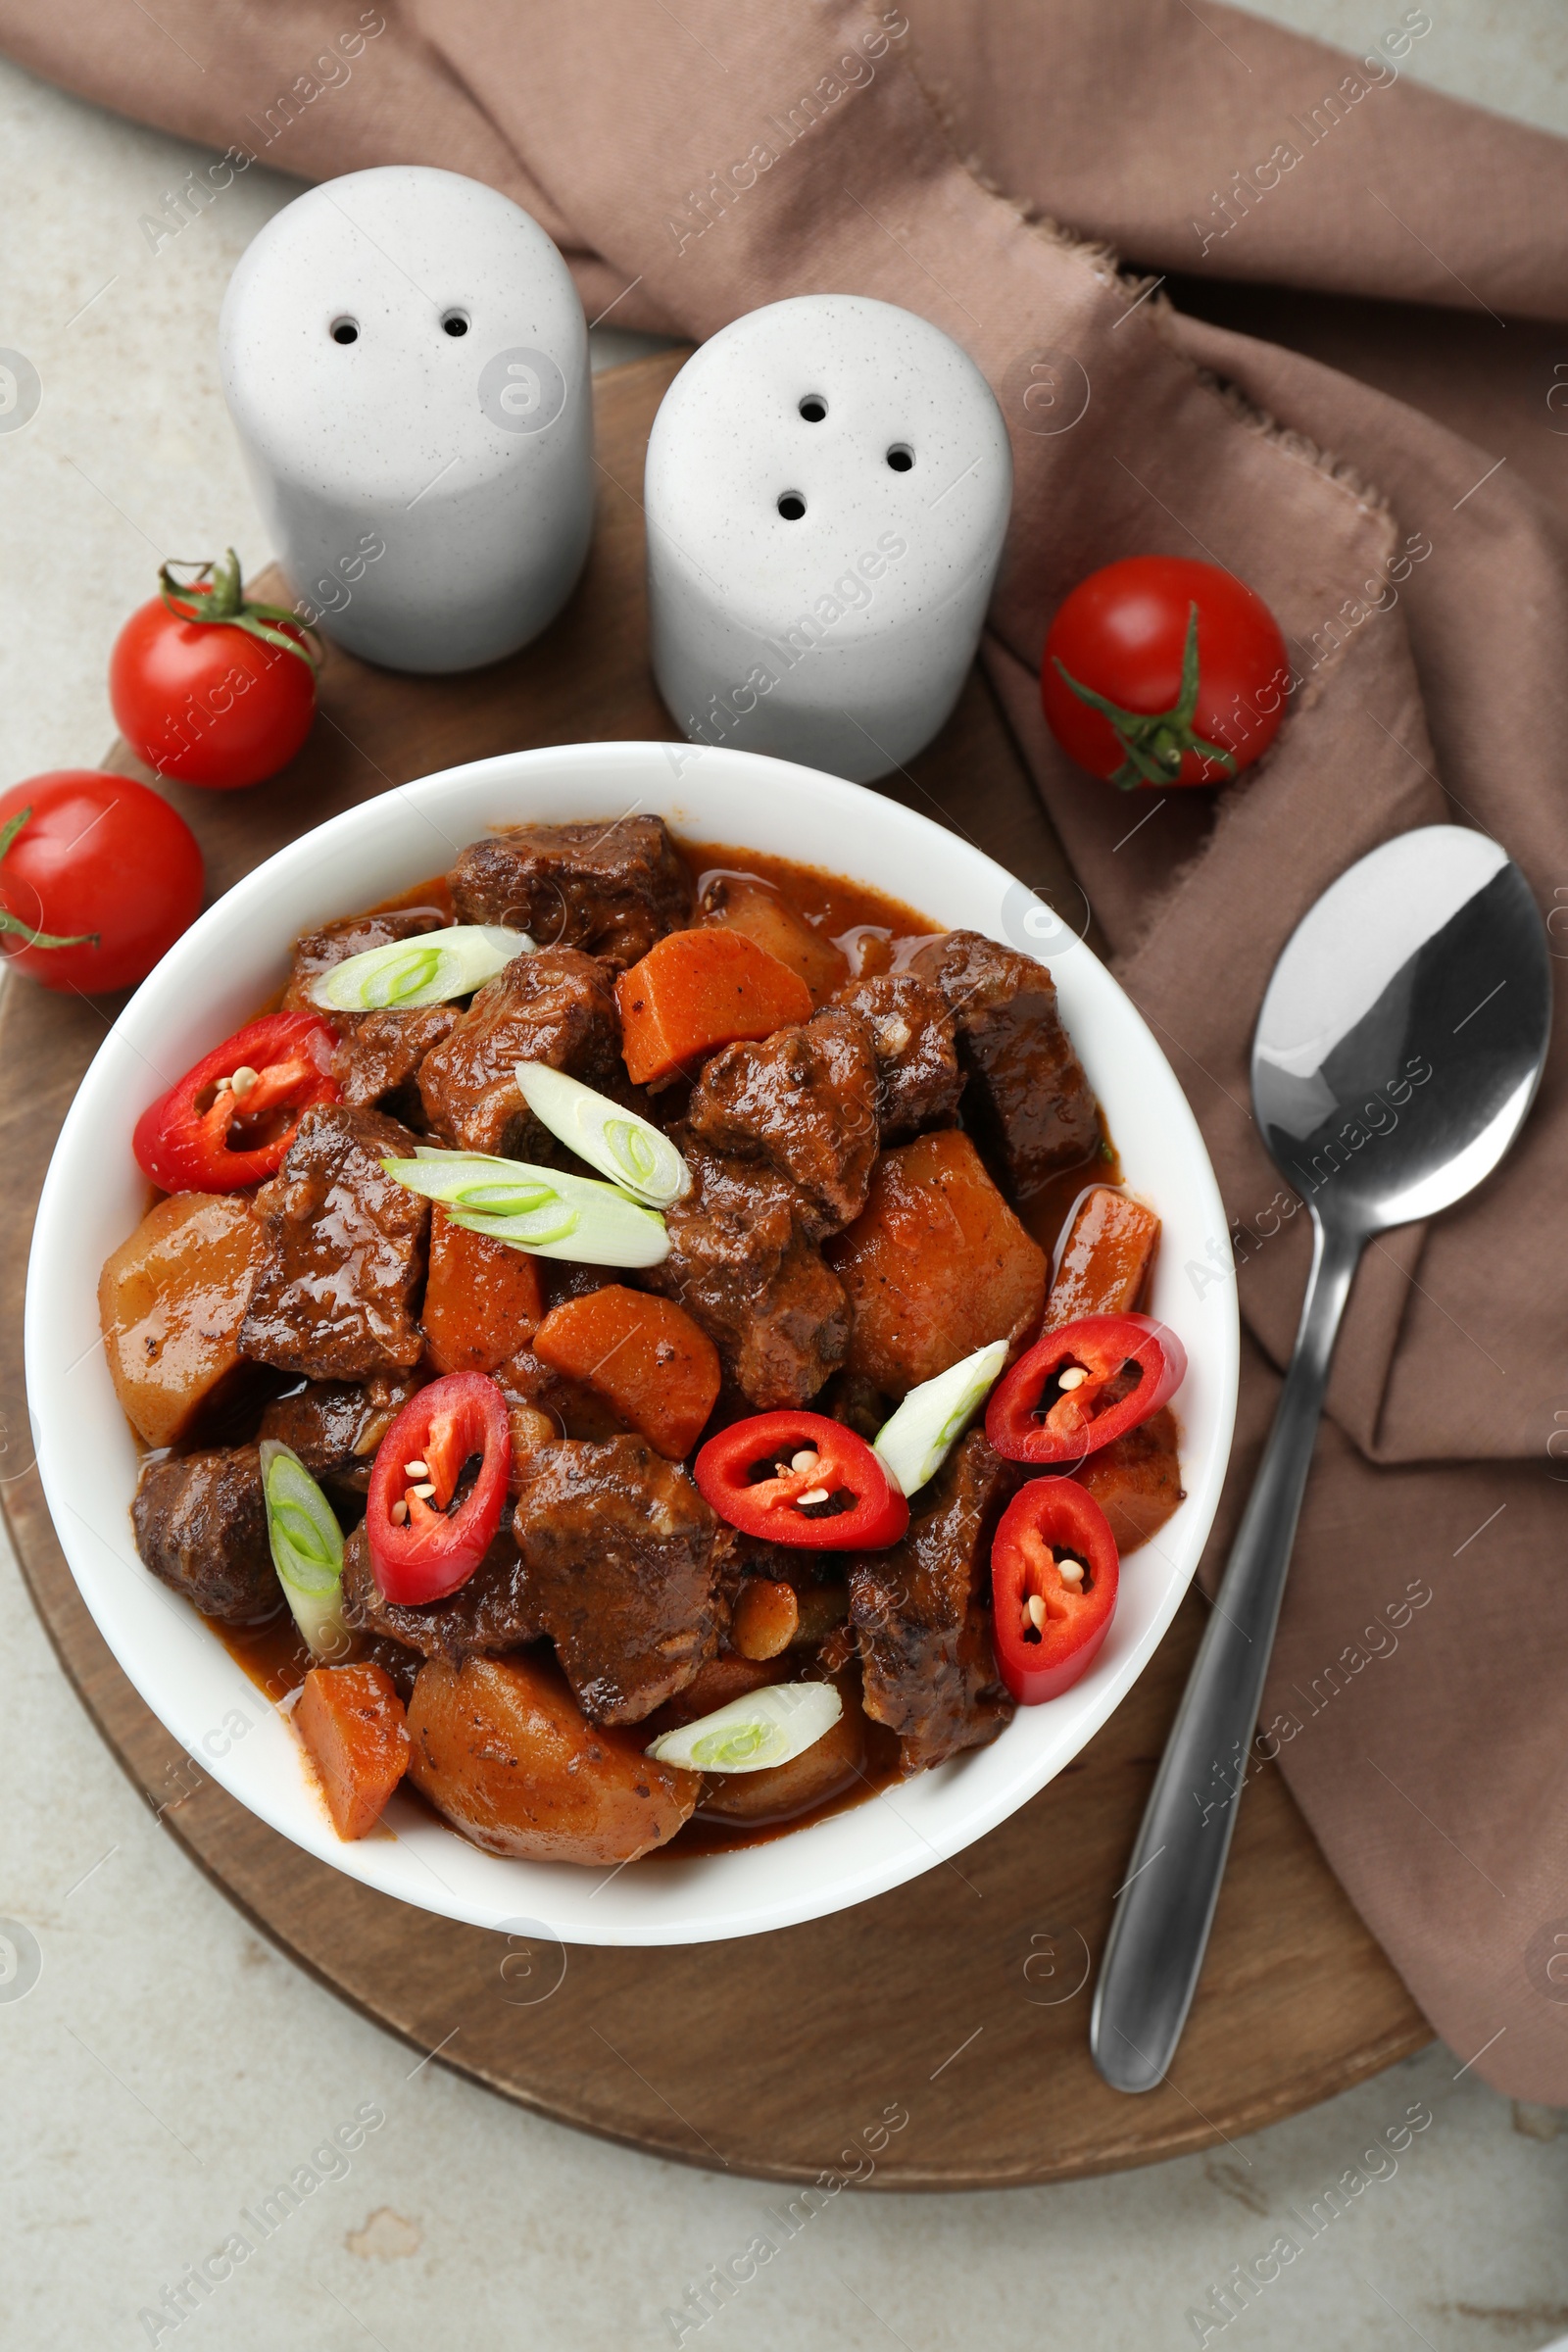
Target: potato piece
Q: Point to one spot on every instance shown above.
(1107, 1258)
(502, 1748)
(935, 1265)
(172, 1299)
(482, 1301)
(352, 1723)
(767, 1618)
(825, 1770)
(1136, 1479)
(742, 903)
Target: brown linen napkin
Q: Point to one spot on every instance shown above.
(694, 165)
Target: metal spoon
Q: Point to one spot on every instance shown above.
(1398, 1048)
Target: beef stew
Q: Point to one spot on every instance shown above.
(874, 1191)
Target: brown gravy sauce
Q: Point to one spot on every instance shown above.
(875, 932)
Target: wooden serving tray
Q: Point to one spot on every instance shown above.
(960, 2002)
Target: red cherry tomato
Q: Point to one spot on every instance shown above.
(210, 1137)
(1053, 1571)
(1161, 670)
(208, 685)
(98, 879)
(1082, 1385)
(839, 1499)
(423, 1547)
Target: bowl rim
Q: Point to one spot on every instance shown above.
(171, 1655)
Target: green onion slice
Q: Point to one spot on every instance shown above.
(430, 970)
(542, 1210)
(913, 1446)
(771, 1726)
(628, 1150)
(307, 1551)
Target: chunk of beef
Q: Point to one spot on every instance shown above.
(492, 1611)
(346, 1247)
(613, 889)
(315, 952)
(336, 1426)
(379, 1055)
(920, 1616)
(743, 1267)
(622, 1559)
(918, 1078)
(572, 1408)
(1028, 1104)
(555, 1006)
(803, 1103)
(201, 1526)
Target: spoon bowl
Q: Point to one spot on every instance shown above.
(1398, 1048)
(1402, 1034)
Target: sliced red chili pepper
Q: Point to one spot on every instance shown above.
(803, 1480)
(428, 1523)
(1083, 1385)
(230, 1119)
(1054, 1572)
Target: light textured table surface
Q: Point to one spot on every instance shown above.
(167, 2069)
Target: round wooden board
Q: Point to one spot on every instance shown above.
(961, 2001)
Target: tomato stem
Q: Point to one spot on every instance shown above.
(13, 924)
(1154, 742)
(217, 594)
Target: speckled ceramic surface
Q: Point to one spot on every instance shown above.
(406, 361)
(828, 489)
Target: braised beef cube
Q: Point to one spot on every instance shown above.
(918, 1078)
(490, 1612)
(555, 1007)
(743, 1267)
(336, 1426)
(346, 1251)
(921, 1614)
(613, 889)
(859, 1402)
(398, 1663)
(1027, 1103)
(315, 952)
(201, 1526)
(622, 1559)
(571, 1407)
(379, 1055)
(803, 1103)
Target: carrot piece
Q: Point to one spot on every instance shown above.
(1136, 1479)
(699, 990)
(351, 1720)
(483, 1302)
(644, 1354)
(935, 1265)
(1106, 1261)
(741, 903)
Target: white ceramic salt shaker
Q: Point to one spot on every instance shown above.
(828, 489)
(406, 361)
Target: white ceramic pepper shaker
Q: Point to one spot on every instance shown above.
(828, 489)
(406, 361)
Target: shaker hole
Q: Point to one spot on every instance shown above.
(792, 506)
(901, 457)
(814, 408)
(345, 331)
(456, 323)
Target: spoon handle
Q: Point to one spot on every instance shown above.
(1160, 1928)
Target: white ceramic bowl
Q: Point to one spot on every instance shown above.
(233, 958)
